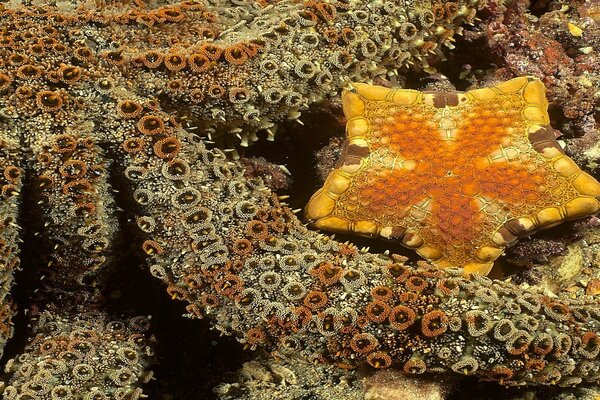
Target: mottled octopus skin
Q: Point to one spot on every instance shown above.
(456, 176)
(11, 165)
(87, 356)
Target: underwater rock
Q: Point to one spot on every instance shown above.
(291, 379)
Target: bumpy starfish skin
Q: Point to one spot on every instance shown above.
(457, 176)
(234, 67)
(225, 245)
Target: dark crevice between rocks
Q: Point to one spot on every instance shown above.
(540, 7)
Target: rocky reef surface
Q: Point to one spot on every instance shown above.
(111, 119)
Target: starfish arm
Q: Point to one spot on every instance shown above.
(384, 202)
(239, 69)
(226, 246)
(546, 197)
(372, 189)
(85, 355)
(70, 176)
(11, 186)
(538, 166)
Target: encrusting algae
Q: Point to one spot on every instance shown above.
(127, 93)
(456, 176)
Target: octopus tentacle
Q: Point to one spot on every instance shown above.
(76, 349)
(289, 379)
(228, 67)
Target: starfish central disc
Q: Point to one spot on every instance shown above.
(456, 176)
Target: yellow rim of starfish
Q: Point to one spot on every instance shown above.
(323, 203)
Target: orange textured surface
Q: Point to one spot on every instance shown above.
(457, 176)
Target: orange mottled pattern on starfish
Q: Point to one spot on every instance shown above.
(457, 176)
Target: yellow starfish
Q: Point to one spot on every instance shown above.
(456, 176)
